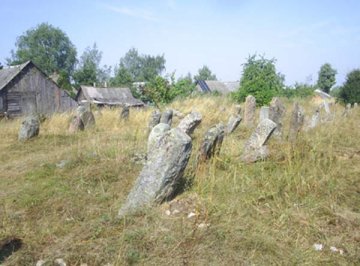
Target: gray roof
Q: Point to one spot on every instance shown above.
(110, 96)
(9, 73)
(219, 86)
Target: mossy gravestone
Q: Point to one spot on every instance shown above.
(29, 128)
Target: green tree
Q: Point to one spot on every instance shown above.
(300, 90)
(350, 92)
(122, 77)
(205, 73)
(48, 47)
(326, 77)
(259, 79)
(1, 66)
(89, 70)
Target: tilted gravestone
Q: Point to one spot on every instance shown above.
(315, 119)
(250, 108)
(29, 128)
(86, 116)
(233, 123)
(296, 122)
(165, 165)
(190, 122)
(276, 114)
(255, 148)
(154, 119)
(211, 143)
(264, 113)
(166, 117)
(76, 124)
(237, 109)
(125, 112)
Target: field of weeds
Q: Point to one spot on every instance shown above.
(60, 194)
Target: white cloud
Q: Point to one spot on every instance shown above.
(132, 12)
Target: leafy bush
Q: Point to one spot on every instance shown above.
(259, 79)
(326, 77)
(350, 92)
(299, 90)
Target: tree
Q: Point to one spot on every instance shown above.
(89, 70)
(326, 77)
(260, 80)
(204, 73)
(350, 92)
(134, 67)
(48, 47)
(1, 66)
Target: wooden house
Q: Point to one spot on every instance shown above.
(25, 89)
(107, 97)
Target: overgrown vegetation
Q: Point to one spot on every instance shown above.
(267, 213)
(350, 92)
(326, 77)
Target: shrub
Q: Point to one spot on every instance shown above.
(350, 92)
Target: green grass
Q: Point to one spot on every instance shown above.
(270, 212)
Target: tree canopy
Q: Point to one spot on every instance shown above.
(350, 91)
(205, 73)
(48, 47)
(326, 77)
(260, 80)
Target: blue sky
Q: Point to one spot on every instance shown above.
(301, 35)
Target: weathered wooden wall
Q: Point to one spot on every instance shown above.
(32, 91)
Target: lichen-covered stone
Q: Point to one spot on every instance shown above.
(233, 123)
(296, 121)
(190, 122)
(276, 114)
(76, 124)
(264, 113)
(250, 108)
(86, 116)
(212, 142)
(29, 128)
(154, 119)
(125, 112)
(166, 117)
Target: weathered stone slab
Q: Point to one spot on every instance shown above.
(156, 136)
(125, 112)
(264, 113)
(255, 148)
(29, 128)
(237, 108)
(76, 124)
(355, 105)
(86, 116)
(154, 119)
(161, 173)
(296, 122)
(190, 122)
(276, 114)
(166, 117)
(250, 108)
(315, 119)
(212, 142)
(233, 123)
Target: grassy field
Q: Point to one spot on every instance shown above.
(60, 194)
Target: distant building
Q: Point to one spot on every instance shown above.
(107, 96)
(26, 89)
(206, 86)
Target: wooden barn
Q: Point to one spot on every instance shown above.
(26, 89)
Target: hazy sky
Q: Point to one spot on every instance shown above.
(301, 35)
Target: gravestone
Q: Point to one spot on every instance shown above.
(29, 128)
(160, 175)
(211, 143)
(315, 119)
(255, 148)
(125, 112)
(190, 122)
(250, 108)
(264, 113)
(86, 116)
(156, 135)
(276, 114)
(166, 117)
(154, 119)
(233, 123)
(296, 122)
(355, 105)
(76, 124)
(237, 108)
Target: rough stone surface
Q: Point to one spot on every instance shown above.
(166, 117)
(250, 108)
(86, 116)
(154, 119)
(212, 142)
(125, 112)
(29, 128)
(59, 262)
(264, 113)
(233, 123)
(276, 114)
(190, 122)
(156, 136)
(255, 148)
(162, 171)
(315, 119)
(296, 122)
(237, 108)
(76, 124)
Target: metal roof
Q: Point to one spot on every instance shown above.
(9, 73)
(219, 86)
(110, 96)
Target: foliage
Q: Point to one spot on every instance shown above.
(299, 90)
(326, 77)
(134, 67)
(183, 87)
(1, 66)
(48, 47)
(259, 79)
(350, 92)
(205, 73)
(89, 71)
(64, 82)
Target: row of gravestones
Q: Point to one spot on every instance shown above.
(169, 149)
